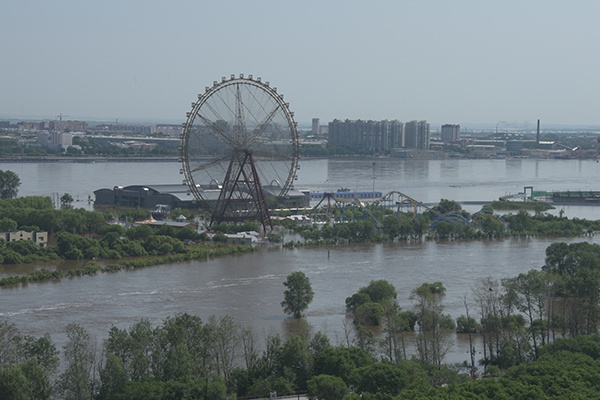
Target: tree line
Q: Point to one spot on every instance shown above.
(446, 221)
(78, 234)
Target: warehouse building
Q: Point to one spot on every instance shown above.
(180, 196)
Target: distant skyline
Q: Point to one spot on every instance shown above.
(465, 61)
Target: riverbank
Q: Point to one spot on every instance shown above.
(93, 267)
(86, 159)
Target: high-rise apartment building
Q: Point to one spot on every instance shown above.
(55, 140)
(416, 135)
(315, 126)
(450, 133)
(359, 135)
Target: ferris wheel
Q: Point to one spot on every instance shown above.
(240, 149)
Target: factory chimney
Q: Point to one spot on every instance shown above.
(537, 136)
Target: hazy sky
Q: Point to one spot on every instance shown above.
(444, 61)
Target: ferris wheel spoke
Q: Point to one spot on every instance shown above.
(268, 119)
(215, 128)
(239, 115)
(260, 106)
(225, 103)
(212, 163)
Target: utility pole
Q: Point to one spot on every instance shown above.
(373, 177)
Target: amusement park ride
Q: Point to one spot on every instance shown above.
(394, 201)
(240, 149)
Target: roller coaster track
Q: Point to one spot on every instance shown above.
(399, 200)
(476, 217)
(392, 198)
(330, 196)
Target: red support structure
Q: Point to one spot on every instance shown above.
(241, 196)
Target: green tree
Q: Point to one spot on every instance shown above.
(380, 290)
(448, 206)
(39, 385)
(297, 295)
(531, 294)
(376, 291)
(13, 383)
(112, 377)
(141, 232)
(488, 297)
(466, 325)
(184, 346)
(326, 387)
(368, 314)
(27, 364)
(392, 227)
(263, 386)
(341, 361)
(295, 361)
(225, 334)
(389, 379)
(9, 184)
(41, 351)
(8, 225)
(23, 247)
(492, 226)
(133, 350)
(73, 221)
(9, 348)
(77, 381)
(577, 264)
(66, 201)
(433, 336)
(12, 257)
(396, 323)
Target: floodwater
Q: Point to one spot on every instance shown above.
(250, 287)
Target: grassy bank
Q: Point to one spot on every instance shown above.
(201, 252)
(538, 206)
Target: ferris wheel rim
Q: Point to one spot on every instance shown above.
(232, 146)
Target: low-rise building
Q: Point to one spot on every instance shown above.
(167, 130)
(39, 238)
(245, 238)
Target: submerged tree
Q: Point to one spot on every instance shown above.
(531, 294)
(297, 295)
(433, 337)
(66, 201)
(376, 292)
(487, 294)
(396, 323)
(9, 184)
(577, 266)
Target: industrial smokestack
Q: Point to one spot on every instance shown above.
(537, 136)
